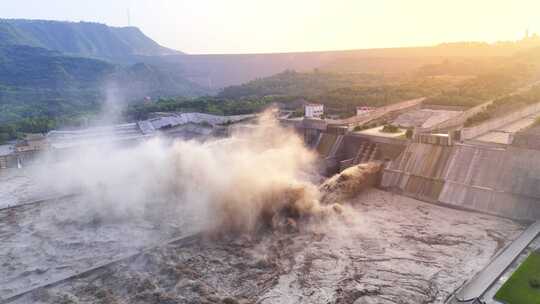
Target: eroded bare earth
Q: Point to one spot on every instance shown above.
(391, 249)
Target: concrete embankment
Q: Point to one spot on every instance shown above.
(501, 181)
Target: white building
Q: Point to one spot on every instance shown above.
(313, 110)
(363, 110)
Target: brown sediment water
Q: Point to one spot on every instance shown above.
(386, 249)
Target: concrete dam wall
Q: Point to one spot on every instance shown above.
(502, 181)
(342, 151)
(418, 171)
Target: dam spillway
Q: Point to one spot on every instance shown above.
(327, 144)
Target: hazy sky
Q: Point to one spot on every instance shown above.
(250, 26)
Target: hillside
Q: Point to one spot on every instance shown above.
(128, 45)
(120, 44)
(64, 73)
(455, 81)
(35, 82)
(54, 73)
(341, 93)
(292, 83)
(219, 71)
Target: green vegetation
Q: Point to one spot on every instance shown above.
(15, 130)
(492, 77)
(80, 38)
(339, 92)
(458, 82)
(43, 85)
(139, 111)
(42, 89)
(211, 105)
(390, 129)
(409, 134)
(477, 90)
(343, 101)
(295, 84)
(477, 119)
(536, 122)
(298, 113)
(35, 82)
(359, 128)
(463, 83)
(523, 286)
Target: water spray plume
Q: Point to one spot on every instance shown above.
(251, 180)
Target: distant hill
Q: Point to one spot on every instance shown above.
(300, 84)
(128, 45)
(36, 82)
(120, 44)
(341, 93)
(218, 71)
(53, 70)
(457, 81)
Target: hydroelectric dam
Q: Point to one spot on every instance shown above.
(437, 166)
(400, 243)
(491, 168)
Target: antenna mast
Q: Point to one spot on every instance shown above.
(128, 17)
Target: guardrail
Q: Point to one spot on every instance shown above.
(482, 281)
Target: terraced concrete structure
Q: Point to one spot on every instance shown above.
(448, 168)
(503, 181)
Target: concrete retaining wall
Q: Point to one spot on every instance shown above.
(389, 148)
(418, 171)
(505, 182)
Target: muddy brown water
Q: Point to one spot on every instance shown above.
(386, 249)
